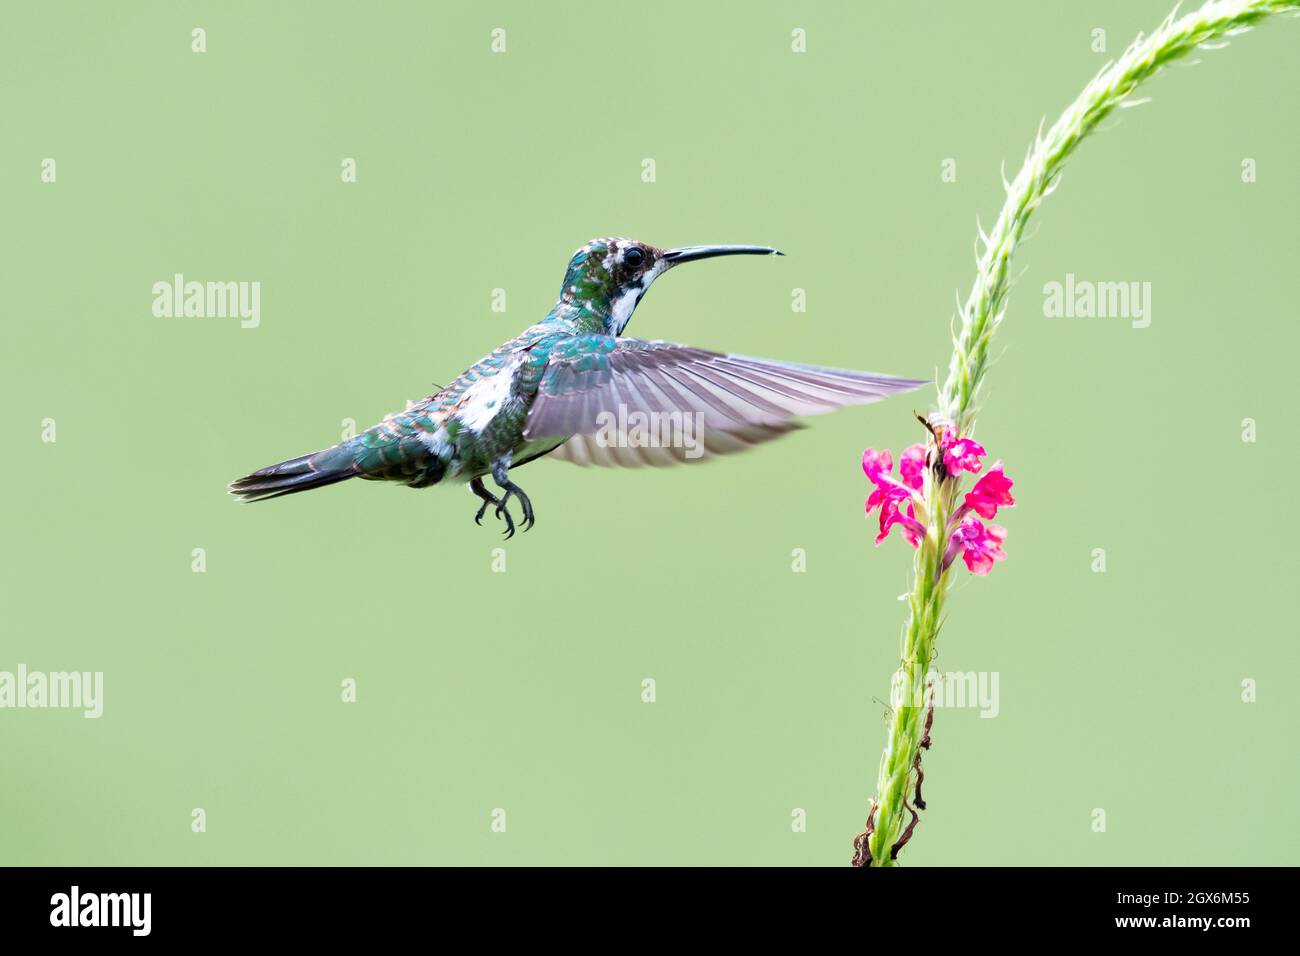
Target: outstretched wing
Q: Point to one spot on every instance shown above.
(631, 402)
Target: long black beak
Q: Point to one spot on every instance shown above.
(691, 253)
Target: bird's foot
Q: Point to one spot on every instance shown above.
(514, 491)
(501, 504)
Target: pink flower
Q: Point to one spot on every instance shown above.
(899, 500)
(992, 491)
(980, 545)
(960, 454)
(889, 496)
(912, 466)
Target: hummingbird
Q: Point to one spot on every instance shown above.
(560, 386)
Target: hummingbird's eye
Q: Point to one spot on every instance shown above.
(634, 257)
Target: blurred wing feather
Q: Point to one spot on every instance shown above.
(738, 401)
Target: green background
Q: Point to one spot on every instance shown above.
(522, 690)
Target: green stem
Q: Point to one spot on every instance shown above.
(981, 315)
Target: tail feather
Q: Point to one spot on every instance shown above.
(297, 474)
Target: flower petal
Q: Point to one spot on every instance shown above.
(963, 455)
(981, 545)
(991, 492)
(891, 514)
(912, 466)
(877, 464)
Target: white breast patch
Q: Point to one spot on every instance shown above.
(484, 399)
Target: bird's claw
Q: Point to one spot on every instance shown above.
(504, 512)
(478, 517)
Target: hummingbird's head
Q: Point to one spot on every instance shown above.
(609, 276)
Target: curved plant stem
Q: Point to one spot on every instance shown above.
(892, 813)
